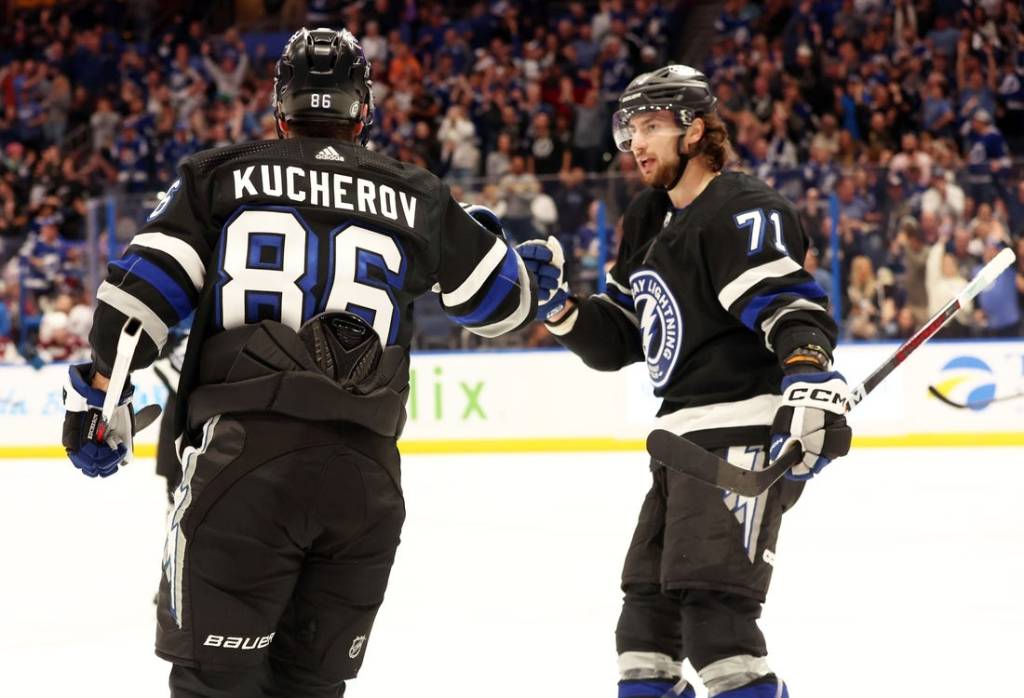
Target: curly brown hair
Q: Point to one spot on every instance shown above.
(714, 145)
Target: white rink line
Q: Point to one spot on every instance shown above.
(506, 581)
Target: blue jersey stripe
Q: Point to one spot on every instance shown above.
(501, 286)
(626, 301)
(176, 296)
(808, 289)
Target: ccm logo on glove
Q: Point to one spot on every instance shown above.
(817, 395)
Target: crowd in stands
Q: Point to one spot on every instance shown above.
(906, 114)
(910, 113)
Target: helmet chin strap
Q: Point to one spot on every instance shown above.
(683, 159)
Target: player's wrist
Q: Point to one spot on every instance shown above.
(99, 381)
(809, 358)
(562, 313)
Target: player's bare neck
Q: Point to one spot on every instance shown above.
(696, 177)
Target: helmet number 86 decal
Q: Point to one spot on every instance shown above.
(317, 100)
(269, 270)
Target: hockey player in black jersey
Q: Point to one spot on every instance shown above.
(709, 290)
(301, 258)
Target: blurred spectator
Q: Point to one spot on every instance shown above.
(999, 312)
(57, 340)
(944, 281)
(42, 260)
(902, 109)
(229, 71)
(104, 123)
(1015, 210)
(866, 297)
(458, 143)
(499, 160)
(912, 162)
(822, 276)
(988, 158)
(573, 203)
(518, 187)
(590, 132)
(913, 257)
(943, 197)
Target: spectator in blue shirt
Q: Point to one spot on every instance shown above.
(937, 115)
(998, 306)
(42, 258)
(988, 158)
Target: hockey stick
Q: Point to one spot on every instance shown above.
(685, 457)
(126, 344)
(971, 405)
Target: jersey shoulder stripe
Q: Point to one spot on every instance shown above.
(181, 251)
(177, 297)
(501, 285)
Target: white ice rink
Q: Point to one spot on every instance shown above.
(900, 573)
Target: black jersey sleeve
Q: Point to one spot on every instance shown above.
(159, 277)
(603, 329)
(755, 249)
(484, 284)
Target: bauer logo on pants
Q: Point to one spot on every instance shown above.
(357, 646)
(237, 642)
(660, 322)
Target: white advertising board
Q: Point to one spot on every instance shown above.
(548, 400)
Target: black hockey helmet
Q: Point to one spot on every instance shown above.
(680, 89)
(322, 75)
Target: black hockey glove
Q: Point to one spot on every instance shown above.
(545, 260)
(95, 447)
(812, 417)
(486, 218)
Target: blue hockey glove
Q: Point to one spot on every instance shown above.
(812, 417)
(546, 261)
(95, 447)
(485, 217)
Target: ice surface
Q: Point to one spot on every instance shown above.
(899, 574)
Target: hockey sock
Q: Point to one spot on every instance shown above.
(765, 687)
(723, 676)
(654, 688)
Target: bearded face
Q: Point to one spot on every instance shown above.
(655, 146)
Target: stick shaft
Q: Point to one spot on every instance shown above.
(979, 283)
(683, 456)
(126, 344)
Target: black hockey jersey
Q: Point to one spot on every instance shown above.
(284, 230)
(711, 297)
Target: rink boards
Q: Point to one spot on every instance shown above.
(543, 401)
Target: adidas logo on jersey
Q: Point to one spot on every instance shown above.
(329, 153)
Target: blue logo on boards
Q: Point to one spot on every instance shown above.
(969, 380)
(661, 324)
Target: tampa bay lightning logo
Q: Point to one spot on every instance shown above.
(166, 200)
(661, 324)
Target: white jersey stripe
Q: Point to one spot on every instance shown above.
(183, 253)
(751, 277)
(475, 281)
(518, 316)
(624, 289)
(611, 301)
(131, 306)
(798, 304)
(755, 411)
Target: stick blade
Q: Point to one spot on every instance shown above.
(146, 416)
(687, 458)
